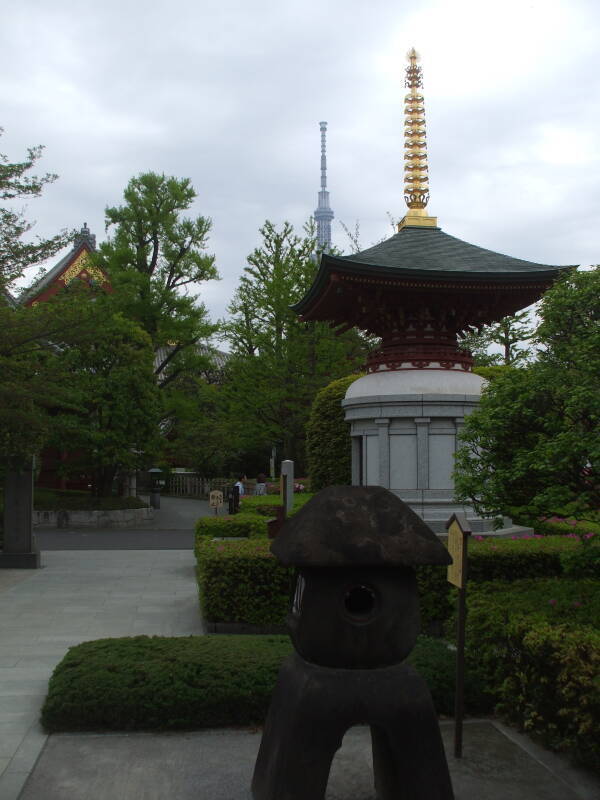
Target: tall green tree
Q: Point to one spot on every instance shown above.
(533, 446)
(17, 185)
(155, 258)
(34, 382)
(513, 334)
(113, 426)
(279, 362)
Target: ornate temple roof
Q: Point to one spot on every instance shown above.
(74, 264)
(420, 252)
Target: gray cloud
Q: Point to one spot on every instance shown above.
(230, 94)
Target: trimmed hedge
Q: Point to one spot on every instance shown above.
(242, 582)
(146, 683)
(249, 526)
(159, 683)
(267, 506)
(535, 646)
(511, 559)
(328, 446)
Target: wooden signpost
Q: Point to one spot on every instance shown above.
(215, 500)
(458, 533)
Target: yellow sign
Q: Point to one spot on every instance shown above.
(215, 499)
(456, 545)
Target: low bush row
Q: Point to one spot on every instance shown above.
(250, 522)
(160, 683)
(240, 581)
(242, 525)
(535, 646)
(268, 504)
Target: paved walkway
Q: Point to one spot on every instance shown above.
(218, 765)
(76, 597)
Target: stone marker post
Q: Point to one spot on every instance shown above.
(287, 470)
(19, 551)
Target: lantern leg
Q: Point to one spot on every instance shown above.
(299, 740)
(409, 763)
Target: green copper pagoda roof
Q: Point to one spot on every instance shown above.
(426, 250)
(428, 253)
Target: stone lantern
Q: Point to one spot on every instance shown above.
(354, 618)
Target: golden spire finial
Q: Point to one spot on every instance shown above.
(416, 177)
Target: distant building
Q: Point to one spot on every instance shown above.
(323, 213)
(76, 264)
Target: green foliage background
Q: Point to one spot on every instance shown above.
(328, 442)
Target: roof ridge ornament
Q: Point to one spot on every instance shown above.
(416, 171)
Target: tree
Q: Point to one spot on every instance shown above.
(279, 362)
(533, 446)
(15, 184)
(114, 424)
(153, 259)
(33, 382)
(199, 436)
(510, 333)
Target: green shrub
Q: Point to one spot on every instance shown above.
(242, 582)
(583, 562)
(164, 683)
(159, 683)
(512, 559)
(267, 505)
(328, 437)
(573, 527)
(492, 607)
(249, 526)
(551, 688)
(434, 597)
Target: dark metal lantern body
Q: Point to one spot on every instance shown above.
(354, 618)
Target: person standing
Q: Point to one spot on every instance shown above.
(261, 484)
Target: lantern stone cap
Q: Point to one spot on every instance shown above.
(345, 526)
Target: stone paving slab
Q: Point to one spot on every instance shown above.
(218, 765)
(76, 597)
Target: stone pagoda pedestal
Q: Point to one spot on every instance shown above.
(404, 429)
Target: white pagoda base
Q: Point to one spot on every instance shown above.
(404, 428)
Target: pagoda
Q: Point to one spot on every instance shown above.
(417, 292)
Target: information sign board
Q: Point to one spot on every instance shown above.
(456, 546)
(215, 499)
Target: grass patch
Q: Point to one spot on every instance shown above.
(187, 683)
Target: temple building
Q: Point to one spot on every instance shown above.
(418, 291)
(75, 265)
(323, 213)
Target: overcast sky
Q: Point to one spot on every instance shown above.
(230, 94)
